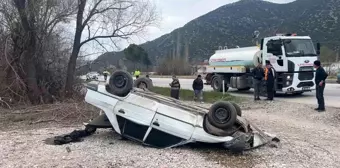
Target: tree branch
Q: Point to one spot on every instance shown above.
(91, 14)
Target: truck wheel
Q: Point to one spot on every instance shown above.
(222, 115)
(238, 109)
(143, 83)
(216, 84)
(120, 83)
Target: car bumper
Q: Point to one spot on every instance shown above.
(292, 90)
(251, 140)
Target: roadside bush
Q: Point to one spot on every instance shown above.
(188, 95)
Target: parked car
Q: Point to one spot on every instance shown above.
(338, 77)
(92, 76)
(159, 121)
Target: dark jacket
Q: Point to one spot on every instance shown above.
(258, 73)
(320, 75)
(175, 84)
(271, 75)
(197, 84)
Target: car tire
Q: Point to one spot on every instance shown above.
(222, 115)
(210, 129)
(238, 109)
(143, 83)
(120, 83)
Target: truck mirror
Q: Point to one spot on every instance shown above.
(318, 48)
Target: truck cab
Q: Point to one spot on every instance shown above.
(291, 56)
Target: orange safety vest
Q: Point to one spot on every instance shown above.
(266, 74)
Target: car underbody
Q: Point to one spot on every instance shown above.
(159, 121)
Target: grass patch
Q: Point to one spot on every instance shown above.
(188, 95)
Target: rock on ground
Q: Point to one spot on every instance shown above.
(308, 139)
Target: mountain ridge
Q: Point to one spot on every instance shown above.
(234, 23)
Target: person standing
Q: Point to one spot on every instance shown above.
(197, 86)
(270, 75)
(105, 73)
(136, 74)
(258, 75)
(320, 82)
(148, 77)
(175, 87)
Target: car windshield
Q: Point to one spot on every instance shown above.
(299, 47)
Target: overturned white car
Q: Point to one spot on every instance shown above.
(159, 121)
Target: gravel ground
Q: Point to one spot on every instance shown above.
(308, 139)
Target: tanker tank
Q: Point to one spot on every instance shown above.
(246, 56)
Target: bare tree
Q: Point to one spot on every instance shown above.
(31, 27)
(107, 19)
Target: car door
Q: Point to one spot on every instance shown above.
(171, 126)
(134, 116)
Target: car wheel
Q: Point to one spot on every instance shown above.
(143, 83)
(238, 109)
(216, 131)
(120, 83)
(222, 115)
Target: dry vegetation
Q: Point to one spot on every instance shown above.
(65, 113)
(38, 60)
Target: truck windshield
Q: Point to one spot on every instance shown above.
(299, 47)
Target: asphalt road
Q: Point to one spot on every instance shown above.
(332, 92)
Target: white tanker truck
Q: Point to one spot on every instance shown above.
(292, 57)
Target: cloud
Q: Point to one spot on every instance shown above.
(176, 13)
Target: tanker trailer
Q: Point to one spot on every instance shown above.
(234, 65)
(291, 56)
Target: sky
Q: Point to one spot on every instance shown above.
(176, 13)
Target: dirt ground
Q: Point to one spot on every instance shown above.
(308, 139)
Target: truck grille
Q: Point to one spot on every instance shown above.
(306, 73)
(305, 84)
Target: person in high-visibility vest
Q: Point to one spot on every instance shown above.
(136, 73)
(269, 77)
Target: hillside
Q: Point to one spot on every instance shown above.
(233, 25)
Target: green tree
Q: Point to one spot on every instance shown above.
(136, 54)
(146, 61)
(327, 55)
